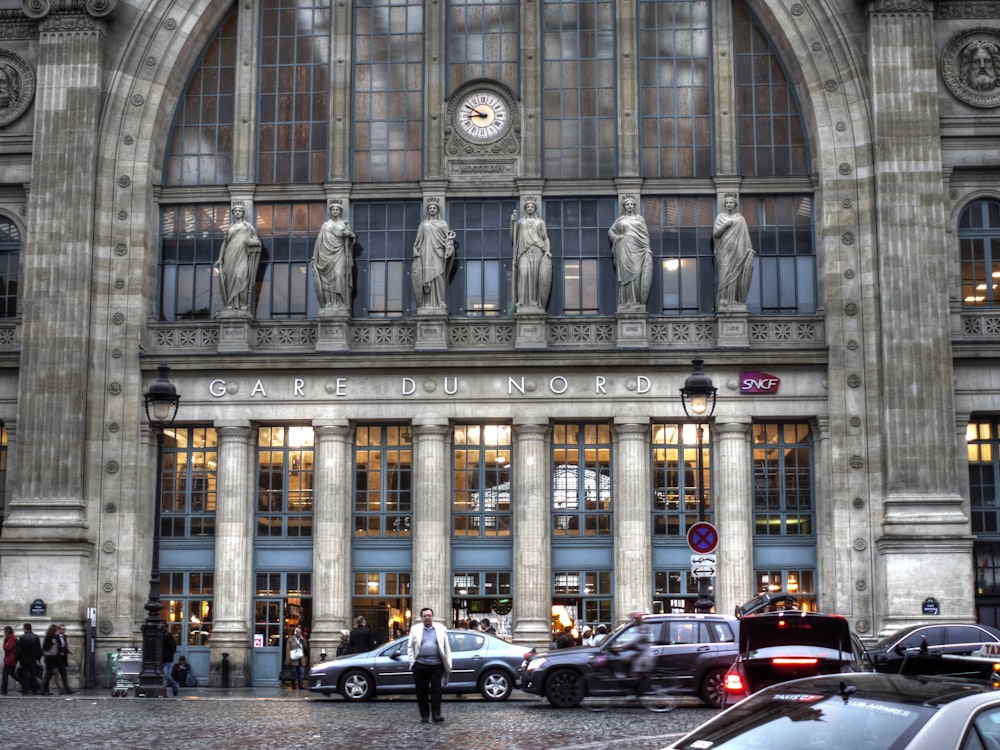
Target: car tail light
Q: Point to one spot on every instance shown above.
(793, 661)
(734, 682)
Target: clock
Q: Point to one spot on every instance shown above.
(483, 115)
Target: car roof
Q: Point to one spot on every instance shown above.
(910, 629)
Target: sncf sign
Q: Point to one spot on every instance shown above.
(758, 382)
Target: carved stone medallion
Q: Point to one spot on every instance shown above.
(17, 86)
(970, 66)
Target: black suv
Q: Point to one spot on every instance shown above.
(694, 650)
(780, 646)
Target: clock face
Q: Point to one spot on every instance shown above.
(483, 116)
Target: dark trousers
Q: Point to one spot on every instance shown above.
(8, 673)
(30, 681)
(427, 679)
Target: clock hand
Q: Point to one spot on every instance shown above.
(476, 113)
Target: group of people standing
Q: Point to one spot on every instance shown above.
(434, 257)
(34, 663)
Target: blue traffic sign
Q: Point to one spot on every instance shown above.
(703, 537)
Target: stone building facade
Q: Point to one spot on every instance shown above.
(488, 455)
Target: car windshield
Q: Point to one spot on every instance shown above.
(783, 719)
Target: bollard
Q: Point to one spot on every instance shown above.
(322, 655)
(225, 670)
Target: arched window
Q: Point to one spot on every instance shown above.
(979, 246)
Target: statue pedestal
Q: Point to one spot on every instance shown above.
(733, 327)
(432, 329)
(632, 333)
(235, 332)
(332, 329)
(529, 330)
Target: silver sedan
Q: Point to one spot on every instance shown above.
(481, 663)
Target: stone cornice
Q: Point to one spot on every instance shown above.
(968, 9)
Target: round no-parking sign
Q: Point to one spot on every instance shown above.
(703, 537)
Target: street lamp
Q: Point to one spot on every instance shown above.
(698, 400)
(160, 402)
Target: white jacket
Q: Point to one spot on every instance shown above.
(441, 635)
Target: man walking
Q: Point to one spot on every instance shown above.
(29, 652)
(430, 661)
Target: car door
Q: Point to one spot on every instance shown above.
(684, 644)
(392, 668)
(467, 654)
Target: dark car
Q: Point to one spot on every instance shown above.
(481, 663)
(941, 637)
(693, 650)
(780, 646)
(858, 712)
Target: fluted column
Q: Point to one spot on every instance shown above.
(234, 533)
(633, 565)
(532, 534)
(432, 582)
(732, 499)
(331, 535)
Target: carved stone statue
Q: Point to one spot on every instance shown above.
(532, 260)
(239, 257)
(333, 260)
(632, 255)
(980, 66)
(433, 256)
(733, 256)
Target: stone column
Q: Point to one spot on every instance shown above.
(924, 524)
(732, 500)
(532, 534)
(432, 583)
(633, 526)
(332, 579)
(234, 534)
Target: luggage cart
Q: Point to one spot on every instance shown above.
(125, 666)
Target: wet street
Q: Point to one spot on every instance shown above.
(278, 719)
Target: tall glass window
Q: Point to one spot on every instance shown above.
(10, 267)
(288, 232)
(782, 479)
(800, 582)
(190, 238)
(581, 480)
(201, 142)
(481, 286)
(479, 594)
(385, 234)
(388, 90)
(187, 607)
(676, 482)
(578, 233)
(675, 88)
(285, 481)
(674, 591)
(294, 91)
(979, 246)
(383, 471)
(483, 41)
(983, 440)
(770, 131)
(680, 234)
(784, 277)
(579, 88)
(383, 599)
(581, 597)
(482, 500)
(190, 461)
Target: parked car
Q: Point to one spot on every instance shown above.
(940, 637)
(694, 650)
(779, 646)
(481, 663)
(858, 712)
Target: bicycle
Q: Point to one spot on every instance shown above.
(609, 681)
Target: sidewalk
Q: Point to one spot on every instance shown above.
(245, 694)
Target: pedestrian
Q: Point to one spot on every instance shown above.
(181, 671)
(473, 624)
(51, 648)
(169, 649)
(344, 647)
(430, 662)
(298, 656)
(602, 633)
(29, 652)
(362, 637)
(486, 627)
(565, 639)
(9, 656)
(587, 636)
(64, 653)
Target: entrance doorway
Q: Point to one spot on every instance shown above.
(282, 603)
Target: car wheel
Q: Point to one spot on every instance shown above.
(564, 689)
(357, 686)
(712, 690)
(495, 685)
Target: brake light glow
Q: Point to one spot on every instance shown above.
(734, 683)
(793, 661)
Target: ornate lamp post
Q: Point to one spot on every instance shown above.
(698, 400)
(161, 402)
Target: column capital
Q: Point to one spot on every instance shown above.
(738, 426)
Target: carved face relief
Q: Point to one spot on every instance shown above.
(979, 66)
(970, 67)
(17, 86)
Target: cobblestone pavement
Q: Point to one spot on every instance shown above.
(275, 719)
